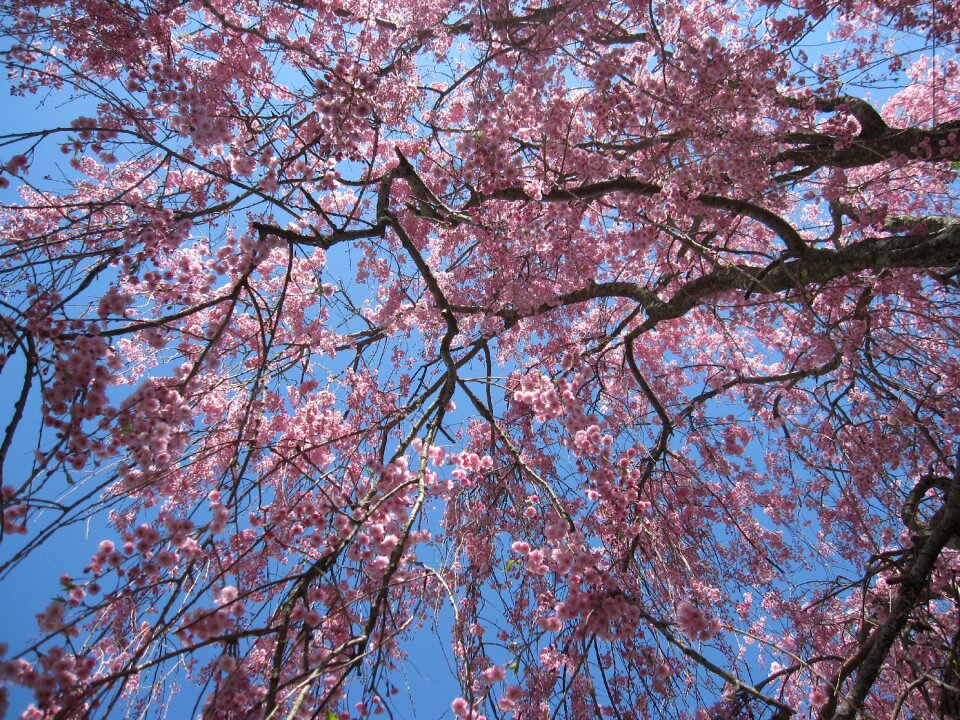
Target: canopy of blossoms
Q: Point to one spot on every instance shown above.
(613, 341)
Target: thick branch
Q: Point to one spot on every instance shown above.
(933, 250)
(871, 123)
(326, 241)
(878, 146)
(938, 249)
(634, 186)
(912, 584)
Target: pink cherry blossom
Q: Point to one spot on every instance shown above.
(616, 343)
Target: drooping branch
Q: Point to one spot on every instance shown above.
(784, 712)
(912, 584)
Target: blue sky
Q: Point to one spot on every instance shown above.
(30, 587)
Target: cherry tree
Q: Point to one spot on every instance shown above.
(617, 342)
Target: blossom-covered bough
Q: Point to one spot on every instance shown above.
(617, 342)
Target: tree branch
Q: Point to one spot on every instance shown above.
(912, 585)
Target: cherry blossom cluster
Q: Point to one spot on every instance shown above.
(77, 393)
(55, 680)
(114, 303)
(342, 104)
(695, 623)
(203, 624)
(17, 165)
(160, 234)
(151, 426)
(541, 395)
(467, 464)
(236, 687)
(14, 513)
(488, 160)
(195, 116)
(81, 371)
